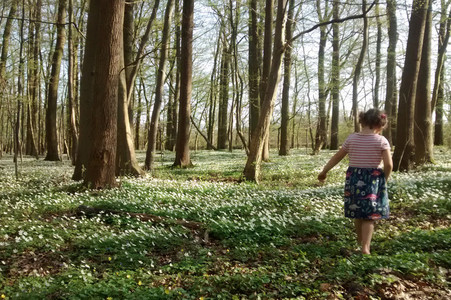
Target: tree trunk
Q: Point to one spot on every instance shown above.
(391, 91)
(321, 132)
(438, 91)
(72, 111)
(101, 167)
(335, 81)
(423, 116)
(31, 147)
(358, 70)
(254, 73)
(87, 91)
(159, 89)
(404, 155)
(223, 95)
(182, 156)
(173, 108)
(126, 162)
(284, 146)
(51, 130)
(267, 54)
(253, 164)
(377, 82)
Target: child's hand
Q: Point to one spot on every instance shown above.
(322, 177)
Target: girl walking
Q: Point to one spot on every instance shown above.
(365, 195)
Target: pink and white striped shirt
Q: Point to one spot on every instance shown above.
(365, 150)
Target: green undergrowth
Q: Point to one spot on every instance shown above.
(203, 233)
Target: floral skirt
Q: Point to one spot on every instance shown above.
(366, 194)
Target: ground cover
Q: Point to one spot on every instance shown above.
(202, 233)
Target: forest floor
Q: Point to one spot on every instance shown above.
(202, 233)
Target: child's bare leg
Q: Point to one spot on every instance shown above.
(367, 229)
(358, 230)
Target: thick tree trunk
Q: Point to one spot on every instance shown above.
(358, 70)
(423, 116)
(182, 155)
(335, 81)
(391, 91)
(253, 164)
(51, 129)
(404, 155)
(87, 86)
(101, 167)
(159, 89)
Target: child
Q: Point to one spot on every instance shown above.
(365, 196)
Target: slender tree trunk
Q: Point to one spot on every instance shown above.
(391, 91)
(335, 82)
(182, 156)
(267, 54)
(404, 155)
(126, 162)
(253, 164)
(72, 114)
(377, 82)
(321, 132)
(52, 97)
(223, 96)
(358, 70)
(213, 93)
(159, 89)
(100, 167)
(173, 109)
(438, 91)
(254, 73)
(284, 147)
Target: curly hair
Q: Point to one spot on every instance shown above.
(373, 118)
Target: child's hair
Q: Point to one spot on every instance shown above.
(373, 118)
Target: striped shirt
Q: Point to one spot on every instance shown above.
(365, 150)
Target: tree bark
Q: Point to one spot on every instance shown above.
(335, 82)
(438, 91)
(404, 155)
(321, 132)
(254, 73)
(182, 155)
(72, 112)
(51, 130)
(253, 164)
(284, 146)
(377, 82)
(391, 90)
(266, 69)
(423, 115)
(101, 167)
(358, 70)
(126, 162)
(223, 95)
(159, 89)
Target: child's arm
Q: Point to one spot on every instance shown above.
(388, 163)
(331, 163)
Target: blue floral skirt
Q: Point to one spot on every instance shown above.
(366, 194)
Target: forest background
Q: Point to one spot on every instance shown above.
(173, 112)
(359, 58)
